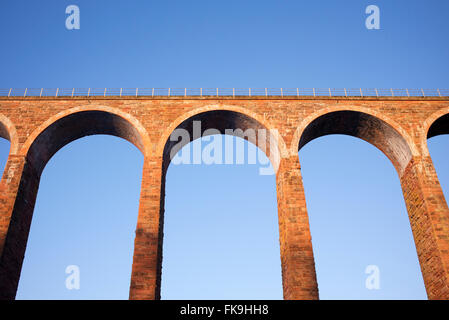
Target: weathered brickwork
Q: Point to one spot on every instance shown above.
(398, 126)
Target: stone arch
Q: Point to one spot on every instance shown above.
(8, 132)
(435, 125)
(381, 132)
(42, 144)
(222, 118)
(114, 122)
(66, 127)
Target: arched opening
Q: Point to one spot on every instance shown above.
(4, 147)
(221, 233)
(361, 235)
(47, 143)
(84, 221)
(438, 145)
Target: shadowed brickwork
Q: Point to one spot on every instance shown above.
(399, 126)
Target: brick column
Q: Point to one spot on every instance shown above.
(18, 189)
(298, 266)
(147, 261)
(429, 219)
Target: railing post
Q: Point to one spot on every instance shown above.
(250, 93)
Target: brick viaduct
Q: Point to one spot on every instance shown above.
(399, 126)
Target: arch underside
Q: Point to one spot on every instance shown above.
(75, 126)
(439, 127)
(363, 126)
(4, 132)
(223, 122)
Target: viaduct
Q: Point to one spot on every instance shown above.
(38, 126)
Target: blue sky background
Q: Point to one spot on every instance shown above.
(221, 239)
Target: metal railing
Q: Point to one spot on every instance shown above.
(221, 92)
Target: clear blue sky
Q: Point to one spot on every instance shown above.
(221, 239)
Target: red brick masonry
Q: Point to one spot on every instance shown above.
(398, 126)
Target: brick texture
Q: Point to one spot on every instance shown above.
(398, 126)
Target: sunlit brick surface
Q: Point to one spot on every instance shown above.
(398, 126)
